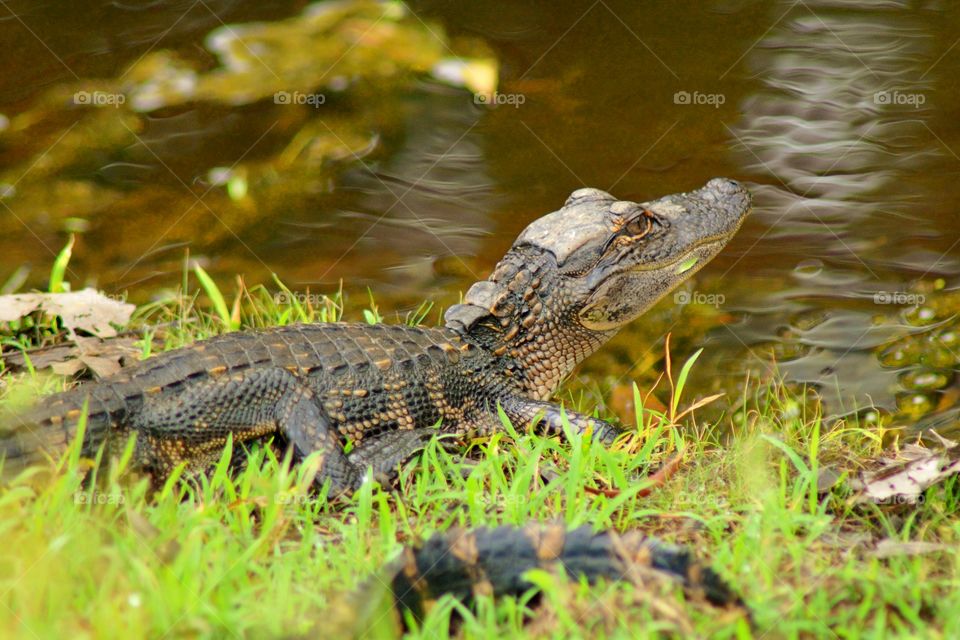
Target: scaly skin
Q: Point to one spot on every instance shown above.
(468, 564)
(569, 282)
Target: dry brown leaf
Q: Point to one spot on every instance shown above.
(890, 548)
(70, 367)
(87, 310)
(101, 367)
(103, 357)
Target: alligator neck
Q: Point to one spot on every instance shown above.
(522, 317)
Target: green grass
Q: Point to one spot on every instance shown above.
(256, 554)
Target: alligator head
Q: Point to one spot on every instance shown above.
(575, 276)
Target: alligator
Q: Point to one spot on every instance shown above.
(467, 564)
(569, 282)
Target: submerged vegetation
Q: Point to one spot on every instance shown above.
(288, 106)
(256, 552)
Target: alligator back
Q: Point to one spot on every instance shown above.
(326, 356)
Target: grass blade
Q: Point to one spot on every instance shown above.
(219, 303)
(682, 381)
(58, 283)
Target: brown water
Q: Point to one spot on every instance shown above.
(842, 117)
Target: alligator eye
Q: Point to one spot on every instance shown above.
(634, 229)
(641, 225)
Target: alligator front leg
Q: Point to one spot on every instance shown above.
(547, 417)
(193, 426)
(382, 454)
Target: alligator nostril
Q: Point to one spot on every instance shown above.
(724, 185)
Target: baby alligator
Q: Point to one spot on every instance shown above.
(570, 281)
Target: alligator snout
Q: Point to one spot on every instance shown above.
(728, 193)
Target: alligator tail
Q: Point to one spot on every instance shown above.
(47, 431)
(493, 561)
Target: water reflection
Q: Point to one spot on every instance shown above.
(430, 200)
(235, 150)
(836, 131)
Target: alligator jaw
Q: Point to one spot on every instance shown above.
(685, 231)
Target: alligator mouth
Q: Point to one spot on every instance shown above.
(696, 226)
(678, 268)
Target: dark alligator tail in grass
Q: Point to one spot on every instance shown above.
(468, 564)
(570, 281)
